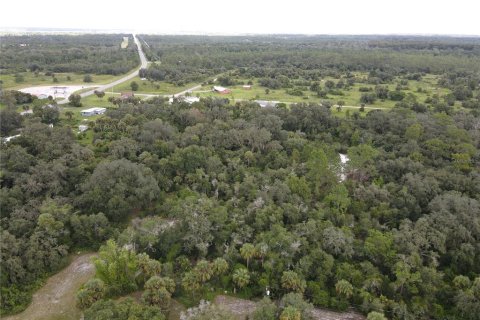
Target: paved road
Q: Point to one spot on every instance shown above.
(132, 75)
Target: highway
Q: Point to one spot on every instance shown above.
(105, 87)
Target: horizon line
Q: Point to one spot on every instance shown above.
(53, 30)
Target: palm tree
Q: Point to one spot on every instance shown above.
(344, 288)
(292, 281)
(219, 266)
(241, 277)
(158, 291)
(190, 282)
(247, 251)
(290, 313)
(261, 250)
(203, 271)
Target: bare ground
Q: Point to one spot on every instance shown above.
(242, 308)
(56, 299)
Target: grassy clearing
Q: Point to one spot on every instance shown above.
(351, 96)
(152, 87)
(30, 79)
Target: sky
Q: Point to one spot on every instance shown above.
(459, 17)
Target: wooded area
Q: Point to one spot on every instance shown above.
(95, 54)
(186, 200)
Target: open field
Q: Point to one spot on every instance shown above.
(153, 87)
(350, 96)
(42, 80)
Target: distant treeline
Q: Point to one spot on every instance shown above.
(191, 58)
(96, 54)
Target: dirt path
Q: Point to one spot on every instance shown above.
(55, 299)
(242, 308)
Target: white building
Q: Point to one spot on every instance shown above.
(188, 100)
(82, 128)
(191, 100)
(93, 111)
(221, 89)
(265, 104)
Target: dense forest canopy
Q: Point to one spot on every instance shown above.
(96, 54)
(185, 200)
(187, 58)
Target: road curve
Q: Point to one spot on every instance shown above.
(105, 87)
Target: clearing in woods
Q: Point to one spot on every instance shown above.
(56, 299)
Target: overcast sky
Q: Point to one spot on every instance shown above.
(249, 16)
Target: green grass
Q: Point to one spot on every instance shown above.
(77, 119)
(148, 87)
(31, 80)
(351, 96)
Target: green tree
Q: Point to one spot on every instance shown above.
(414, 132)
(241, 277)
(117, 268)
(158, 291)
(117, 187)
(99, 94)
(338, 198)
(296, 301)
(219, 266)
(247, 251)
(92, 291)
(74, 100)
(319, 175)
(344, 288)
(290, 313)
(203, 270)
(134, 86)
(87, 78)
(292, 281)
(121, 310)
(190, 282)
(265, 310)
